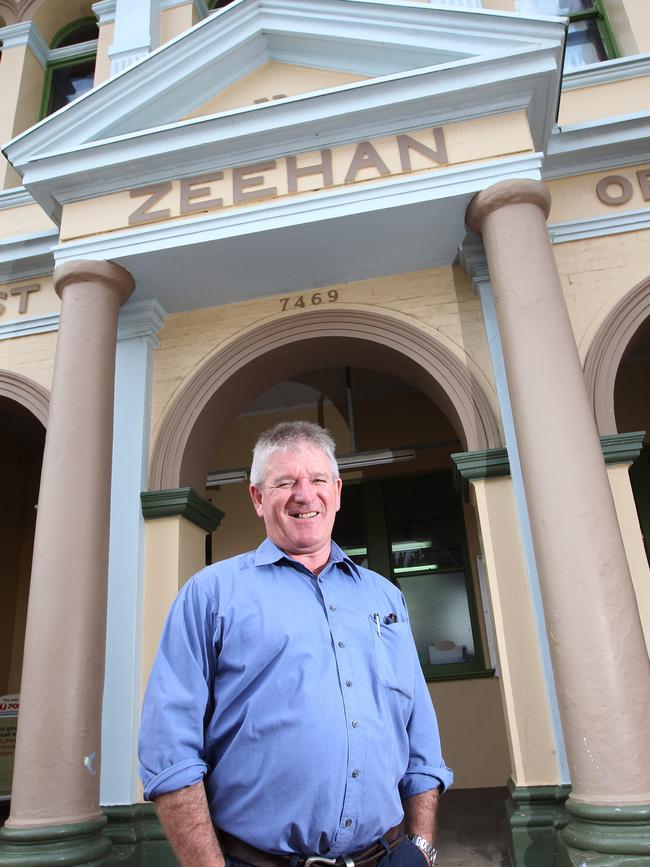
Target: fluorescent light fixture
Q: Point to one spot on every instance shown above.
(217, 478)
(411, 546)
(400, 569)
(358, 460)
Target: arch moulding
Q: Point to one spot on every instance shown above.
(281, 348)
(27, 393)
(607, 349)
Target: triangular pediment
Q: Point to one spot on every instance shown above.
(330, 71)
(272, 81)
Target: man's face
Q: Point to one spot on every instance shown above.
(299, 500)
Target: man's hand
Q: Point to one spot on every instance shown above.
(421, 815)
(186, 819)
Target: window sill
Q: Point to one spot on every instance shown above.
(436, 674)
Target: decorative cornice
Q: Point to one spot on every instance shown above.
(472, 259)
(607, 71)
(104, 11)
(15, 198)
(184, 502)
(25, 33)
(27, 325)
(596, 227)
(598, 145)
(27, 256)
(68, 51)
(141, 319)
(622, 448)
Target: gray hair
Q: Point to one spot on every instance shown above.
(285, 437)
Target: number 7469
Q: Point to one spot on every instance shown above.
(310, 300)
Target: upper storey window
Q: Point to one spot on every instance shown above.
(71, 68)
(589, 37)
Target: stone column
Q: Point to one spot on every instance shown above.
(55, 794)
(599, 658)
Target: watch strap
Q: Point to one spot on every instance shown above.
(424, 846)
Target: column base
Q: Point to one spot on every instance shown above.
(535, 815)
(80, 843)
(137, 837)
(604, 836)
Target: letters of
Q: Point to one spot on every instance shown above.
(266, 180)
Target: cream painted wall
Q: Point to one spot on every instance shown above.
(31, 356)
(23, 220)
(596, 273)
(51, 15)
(174, 551)
(103, 61)
(21, 85)
(472, 731)
(605, 100)
(631, 24)
(441, 302)
(271, 79)
(175, 21)
(522, 682)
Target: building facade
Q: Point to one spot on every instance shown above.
(424, 225)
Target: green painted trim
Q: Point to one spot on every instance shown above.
(535, 815)
(622, 448)
(434, 673)
(79, 843)
(181, 501)
(138, 838)
(610, 830)
(483, 464)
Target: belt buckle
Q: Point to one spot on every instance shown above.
(319, 859)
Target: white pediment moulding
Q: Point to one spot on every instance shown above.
(25, 33)
(607, 71)
(27, 325)
(15, 197)
(598, 145)
(27, 256)
(141, 319)
(597, 227)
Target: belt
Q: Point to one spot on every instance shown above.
(365, 858)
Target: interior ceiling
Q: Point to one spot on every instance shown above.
(306, 389)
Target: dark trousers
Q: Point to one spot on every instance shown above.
(405, 855)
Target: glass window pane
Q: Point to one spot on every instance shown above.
(583, 45)
(350, 527)
(83, 33)
(69, 82)
(439, 615)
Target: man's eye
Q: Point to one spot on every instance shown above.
(319, 481)
(287, 484)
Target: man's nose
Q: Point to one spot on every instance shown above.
(302, 490)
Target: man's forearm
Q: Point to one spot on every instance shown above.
(421, 815)
(185, 816)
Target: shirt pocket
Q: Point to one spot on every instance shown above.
(393, 653)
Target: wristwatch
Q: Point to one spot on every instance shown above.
(425, 847)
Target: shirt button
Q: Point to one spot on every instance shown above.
(355, 723)
(355, 773)
(348, 823)
(341, 643)
(348, 683)
(332, 607)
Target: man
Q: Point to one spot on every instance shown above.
(286, 715)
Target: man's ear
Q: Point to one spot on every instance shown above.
(256, 497)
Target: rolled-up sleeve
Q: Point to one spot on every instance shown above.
(426, 768)
(178, 696)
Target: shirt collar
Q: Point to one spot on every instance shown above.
(268, 552)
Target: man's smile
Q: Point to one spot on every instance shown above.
(303, 514)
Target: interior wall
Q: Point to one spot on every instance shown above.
(21, 442)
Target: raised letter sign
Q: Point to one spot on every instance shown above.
(323, 168)
(644, 183)
(190, 191)
(407, 143)
(240, 181)
(24, 291)
(602, 190)
(365, 156)
(155, 193)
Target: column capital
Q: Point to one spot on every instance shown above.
(110, 274)
(520, 192)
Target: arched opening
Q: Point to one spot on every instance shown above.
(632, 411)
(22, 438)
(415, 402)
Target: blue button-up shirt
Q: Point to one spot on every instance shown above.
(308, 719)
